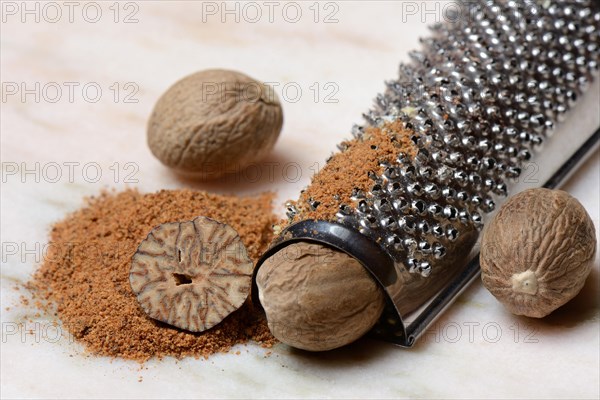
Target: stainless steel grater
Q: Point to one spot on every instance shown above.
(482, 97)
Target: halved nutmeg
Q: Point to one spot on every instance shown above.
(191, 274)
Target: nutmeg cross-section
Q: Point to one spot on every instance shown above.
(191, 274)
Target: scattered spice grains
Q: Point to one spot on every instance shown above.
(84, 278)
(348, 169)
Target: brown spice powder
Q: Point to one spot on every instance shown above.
(346, 170)
(85, 276)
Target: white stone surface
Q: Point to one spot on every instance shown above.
(476, 350)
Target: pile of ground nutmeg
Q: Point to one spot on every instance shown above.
(84, 279)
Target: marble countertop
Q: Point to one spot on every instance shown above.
(79, 81)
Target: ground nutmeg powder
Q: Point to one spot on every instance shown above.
(84, 279)
(349, 169)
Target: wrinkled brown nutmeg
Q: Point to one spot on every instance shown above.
(537, 251)
(317, 298)
(214, 122)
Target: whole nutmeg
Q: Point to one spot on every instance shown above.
(214, 122)
(537, 252)
(317, 298)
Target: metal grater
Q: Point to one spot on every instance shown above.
(482, 97)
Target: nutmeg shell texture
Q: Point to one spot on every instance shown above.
(214, 122)
(537, 251)
(317, 298)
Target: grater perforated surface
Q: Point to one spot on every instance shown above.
(481, 96)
